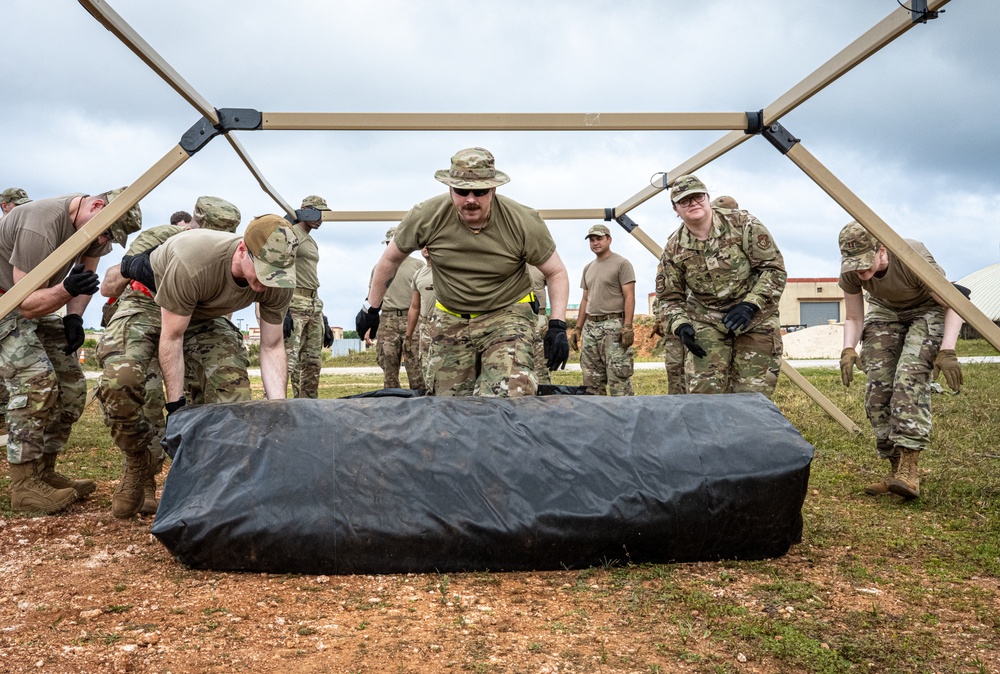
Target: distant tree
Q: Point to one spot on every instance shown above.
(350, 334)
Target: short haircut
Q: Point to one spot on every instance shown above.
(179, 217)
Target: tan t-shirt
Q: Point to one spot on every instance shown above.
(398, 295)
(194, 277)
(900, 288)
(538, 284)
(306, 259)
(29, 234)
(603, 281)
(475, 273)
(423, 283)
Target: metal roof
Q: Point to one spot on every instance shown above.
(985, 286)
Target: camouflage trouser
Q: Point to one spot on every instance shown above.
(4, 399)
(218, 345)
(423, 332)
(391, 332)
(304, 347)
(491, 355)
(607, 367)
(46, 387)
(898, 353)
(749, 362)
(541, 366)
(673, 359)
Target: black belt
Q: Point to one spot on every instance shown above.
(397, 312)
(606, 317)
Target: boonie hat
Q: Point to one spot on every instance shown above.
(14, 195)
(472, 168)
(129, 223)
(271, 242)
(218, 214)
(314, 201)
(686, 186)
(857, 248)
(725, 202)
(598, 230)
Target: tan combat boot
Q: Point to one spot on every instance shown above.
(906, 481)
(128, 496)
(60, 481)
(882, 486)
(149, 502)
(29, 492)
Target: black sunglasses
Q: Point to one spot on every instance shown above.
(476, 193)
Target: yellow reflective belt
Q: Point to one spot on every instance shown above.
(530, 297)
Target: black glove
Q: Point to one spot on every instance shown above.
(686, 334)
(174, 406)
(556, 345)
(739, 317)
(367, 321)
(327, 333)
(287, 324)
(138, 268)
(73, 329)
(80, 281)
(962, 289)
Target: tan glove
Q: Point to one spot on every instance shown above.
(574, 339)
(947, 362)
(658, 329)
(407, 345)
(848, 359)
(628, 336)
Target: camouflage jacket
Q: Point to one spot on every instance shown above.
(701, 280)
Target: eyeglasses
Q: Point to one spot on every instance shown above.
(693, 199)
(107, 234)
(476, 193)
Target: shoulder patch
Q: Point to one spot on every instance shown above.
(763, 241)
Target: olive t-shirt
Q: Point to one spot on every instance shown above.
(475, 273)
(29, 234)
(603, 281)
(538, 284)
(306, 259)
(899, 288)
(194, 277)
(423, 283)
(399, 293)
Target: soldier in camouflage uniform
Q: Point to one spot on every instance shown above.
(418, 316)
(303, 326)
(38, 363)
(721, 279)
(11, 198)
(541, 325)
(605, 319)
(908, 333)
(480, 243)
(130, 388)
(392, 330)
(673, 352)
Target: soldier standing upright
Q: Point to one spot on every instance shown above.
(11, 198)
(303, 325)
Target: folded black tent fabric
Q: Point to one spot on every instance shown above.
(394, 485)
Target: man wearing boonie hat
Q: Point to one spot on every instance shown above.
(721, 279)
(480, 244)
(392, 345)
(605, 318)
(11, 198)
(38, 348)
(303, 324)
(908, 335)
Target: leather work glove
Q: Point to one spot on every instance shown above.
(80, 281)
(73, 329)
(848, 359)
(739, 317)
(628, 336)
(556, 345)
(287, 324)
(686, 334)
(658, 329)
(327, 333)
(367, 320)
(407, 345)
(138, 268)
(174, 406)
(947, 362)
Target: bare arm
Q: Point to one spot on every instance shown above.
(581, 314)
(273, 367)
(114, 283)
(628, 290)
(558, 282)
(385, 271)
(44, 300)
(854, 321)
(952, 325)
(413, 313)
(171, 352)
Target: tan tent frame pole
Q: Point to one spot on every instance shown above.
(76, 244)
(261, 180)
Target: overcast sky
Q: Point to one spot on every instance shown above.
(912, 130)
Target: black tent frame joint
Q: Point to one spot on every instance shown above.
(780, 138)
(609, 214)
(230, 119)
(755, 122)
(919, 12)
(627, 223)
(305, 215)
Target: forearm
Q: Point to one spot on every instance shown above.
(952, 326)
(558, 295)
(171, 355)
(45, 301)
(114, 283)
(274, 371)
(629, 303)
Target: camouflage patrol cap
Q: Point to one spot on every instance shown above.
(14, 195)
(128, 223)
(218, 214)
(389, 233)
(686, 186)
(271, 242)
(472, 168)
(598, 230)
(725, 202)
(857, 248)
(314, 201)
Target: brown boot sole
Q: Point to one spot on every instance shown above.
(52, 508)
(901, 489)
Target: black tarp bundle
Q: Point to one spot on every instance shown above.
(422, 484)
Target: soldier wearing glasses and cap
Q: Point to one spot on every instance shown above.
(480, 244)
(718, 288)
(38, 363)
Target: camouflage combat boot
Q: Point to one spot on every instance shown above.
(29, 492)
(882, 486)
(60, 481)
(128, 496)
(906, 481)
